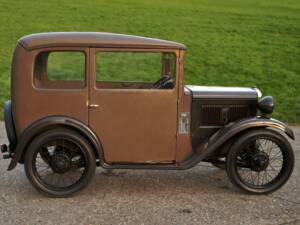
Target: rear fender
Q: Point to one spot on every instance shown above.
(48, 123)
(9, 125)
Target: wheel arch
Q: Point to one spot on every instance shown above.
(284, 172)
(51, 122)
(232, 131)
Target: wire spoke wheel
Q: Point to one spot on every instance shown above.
(260, 162)
(59, 162)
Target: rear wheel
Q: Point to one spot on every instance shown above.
(260, 162)
(59, 162)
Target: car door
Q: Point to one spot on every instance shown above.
(135, 122)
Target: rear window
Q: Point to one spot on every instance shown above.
(60, 70)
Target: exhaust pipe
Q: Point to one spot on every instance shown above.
(4, 149)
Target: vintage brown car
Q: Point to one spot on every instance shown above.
(86, 99)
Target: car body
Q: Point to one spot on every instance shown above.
(129, 124)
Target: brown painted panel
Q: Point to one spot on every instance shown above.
(31, 103)
(134, 125)
(184, 148)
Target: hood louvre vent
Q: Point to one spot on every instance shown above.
(212, 115)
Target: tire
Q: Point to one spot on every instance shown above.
(251, 144)
(76, 155)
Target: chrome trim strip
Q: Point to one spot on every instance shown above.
(259, 94)
(223, 92)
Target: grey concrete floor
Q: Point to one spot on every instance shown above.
(202, 195)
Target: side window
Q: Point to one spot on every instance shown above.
(134, 70)
(60, 70)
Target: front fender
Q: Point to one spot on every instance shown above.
(232, 129)
(236, 127)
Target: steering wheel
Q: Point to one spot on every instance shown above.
(165, 82)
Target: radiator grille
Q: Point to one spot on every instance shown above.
(212, 115)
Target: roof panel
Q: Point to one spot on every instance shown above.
(93, 39)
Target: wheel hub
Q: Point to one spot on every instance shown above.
(259, 161)
(61, 162)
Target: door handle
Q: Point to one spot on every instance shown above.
(93, 106)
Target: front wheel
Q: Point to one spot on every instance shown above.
(59, 162)
(260, 162)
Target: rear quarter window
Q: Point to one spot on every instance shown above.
(60, 70)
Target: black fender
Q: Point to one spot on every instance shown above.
(235, 128)
(48, 123)
(9, 125)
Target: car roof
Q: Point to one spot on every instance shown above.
(94, 39)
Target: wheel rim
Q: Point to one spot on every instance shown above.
(59, 164)
(260, 163)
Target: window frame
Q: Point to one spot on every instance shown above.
(85, 81)
(132, 50)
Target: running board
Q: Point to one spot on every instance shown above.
(188, 163)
